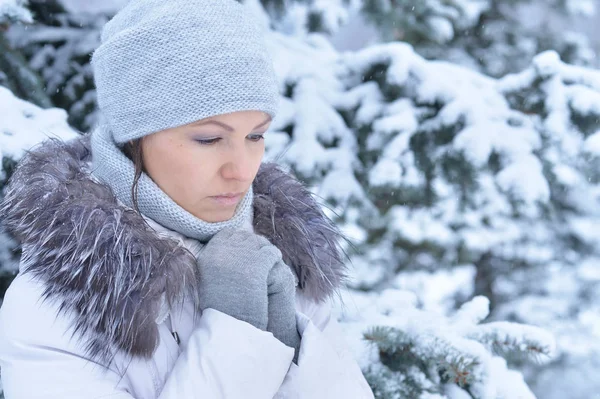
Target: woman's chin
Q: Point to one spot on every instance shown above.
(216, 216)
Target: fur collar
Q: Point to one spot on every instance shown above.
(100, 259)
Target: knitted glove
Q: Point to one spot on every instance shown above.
(282, 306)
(234, 266)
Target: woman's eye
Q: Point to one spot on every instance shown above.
(208, 141)
(257, 137)
(254, 137)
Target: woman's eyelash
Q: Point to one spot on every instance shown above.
(255, 138)
(258, 137)
(208, 141)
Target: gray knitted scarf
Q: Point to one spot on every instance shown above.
(112, 167)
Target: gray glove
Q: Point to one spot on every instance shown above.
(234, 266)
(282, 306)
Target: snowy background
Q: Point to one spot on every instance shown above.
(455, 142)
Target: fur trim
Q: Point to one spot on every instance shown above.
(101, 260)
(287, 214)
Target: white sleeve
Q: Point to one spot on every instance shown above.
(224, 358)
(326, 367)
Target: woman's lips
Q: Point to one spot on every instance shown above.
(226, 200)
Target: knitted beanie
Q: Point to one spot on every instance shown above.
(167, 63)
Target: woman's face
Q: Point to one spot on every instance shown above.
(196, 163)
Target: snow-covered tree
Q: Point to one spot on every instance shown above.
(14, 11)
(493, 36)
(448, 183)
(429, 167)
(58, 47)
(298, 17)
(421, 354)
(14, 70)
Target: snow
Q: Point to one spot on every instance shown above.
(419, 226)
(14, 10)
(93, 6)
(584, 100)
(339, 185)
(525, 180)
(582, 7)
(332, 14)
(28, 125)
(442, 29)
(479, 175)
(452, 340)
(385, 172)
(472, 10)
(438, 290)
(400, 118)
(448, 111)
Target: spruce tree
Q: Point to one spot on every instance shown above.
(431, 176)
(58, 47)
(491, 36)
(15, 73)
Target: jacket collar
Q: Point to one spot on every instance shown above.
(100, 260)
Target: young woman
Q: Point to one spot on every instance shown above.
(161, 257)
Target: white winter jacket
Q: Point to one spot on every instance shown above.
(218, 357)
(75, 301)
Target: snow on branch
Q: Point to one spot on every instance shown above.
(14, 11)
(455, 350)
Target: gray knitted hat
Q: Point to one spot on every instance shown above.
(166, 63)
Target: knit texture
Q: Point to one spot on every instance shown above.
(167, 63)
(282, 283)
(111, 166)
(234, 267)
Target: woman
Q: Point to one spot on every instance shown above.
(161, 258)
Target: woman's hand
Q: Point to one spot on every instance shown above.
(234, 267)
(282, 305)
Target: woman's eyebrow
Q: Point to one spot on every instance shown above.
(226, 126)
(264, 123)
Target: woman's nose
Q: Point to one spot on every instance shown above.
(239, 165)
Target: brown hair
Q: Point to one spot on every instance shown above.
(133, 150)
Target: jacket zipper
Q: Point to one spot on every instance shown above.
(172, 330)
(153, 367)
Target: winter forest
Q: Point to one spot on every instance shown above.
(455, 142)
